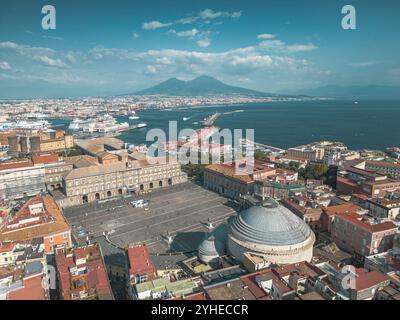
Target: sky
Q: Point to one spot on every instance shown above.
(102, 48)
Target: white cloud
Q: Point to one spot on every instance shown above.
(187, 33)
(204, 43)
(364, 64)
(210, 14)
(279, 45)
(272, 44)
(266, 36)
(151, 69)
(5, 66)
(245, 80)
(49, 61)
(71, 57)
(25, 50)
(265, 60)
(205, 15)
(236, 61)
(52, 37)
(155, 25)
(301, 47)
(187, 20)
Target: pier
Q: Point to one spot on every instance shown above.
(210, 120)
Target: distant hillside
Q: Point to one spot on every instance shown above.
(356, 92)
(203, 85)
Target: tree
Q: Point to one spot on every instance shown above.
(195, 171)
(261, 156)
(320, 172)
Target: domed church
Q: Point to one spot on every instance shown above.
(272, 231)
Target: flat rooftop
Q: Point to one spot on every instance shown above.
(182, 210)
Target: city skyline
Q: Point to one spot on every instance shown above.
(260, 45)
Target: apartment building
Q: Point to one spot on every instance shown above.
(358, 235)
(384, 208)
(391, 169)
(226, 178)
(357, 179)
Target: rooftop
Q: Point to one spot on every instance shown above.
(356, 219)
(341, 208)
(16, 165)
(28, 224)
(45, 158)
(140, 262)
(82, 274)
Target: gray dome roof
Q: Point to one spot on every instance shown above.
(269, 224)
(211, 247)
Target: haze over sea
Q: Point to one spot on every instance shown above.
(368, 124)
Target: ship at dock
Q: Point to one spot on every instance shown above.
(102, 125)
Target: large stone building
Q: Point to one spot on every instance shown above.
(272, 232)
(44, 141)
(318, 151)
(96, 182)
(308, 152)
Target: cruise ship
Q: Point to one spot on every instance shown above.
(22, 124)
(104, 125)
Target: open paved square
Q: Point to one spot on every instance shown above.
(181, 211)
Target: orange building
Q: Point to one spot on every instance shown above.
(39, 217)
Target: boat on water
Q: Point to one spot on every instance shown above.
(103, 125)
(185, 118)
(142, 125)
(23, 124)
(134, 118)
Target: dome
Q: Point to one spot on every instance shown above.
(269, 224)
(210, 249)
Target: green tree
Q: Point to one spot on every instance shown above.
(261, 156)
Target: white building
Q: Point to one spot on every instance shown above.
(21, 178)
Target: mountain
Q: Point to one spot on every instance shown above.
(356, 92)
(203, 85)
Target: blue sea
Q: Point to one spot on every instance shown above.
(368, 124)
